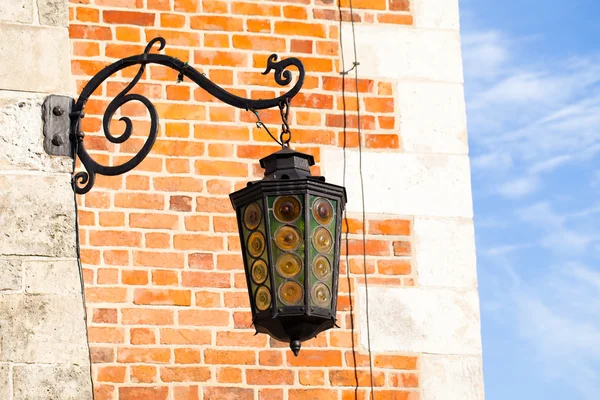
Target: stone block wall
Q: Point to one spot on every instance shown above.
(43, 345)
(165, 288)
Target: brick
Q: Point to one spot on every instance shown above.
(198, 242)
(146, 393)
(128, 18)
(136, 355)
(266, 43)
(382, 141)
(97, 334)
(395, 362)
(115, 238)
(153, 221)
(185, 336)
(402, 248)
(138, 316)
(258, 25)
(208, 299)
(271, 358)
(269, 377)
(204, 318)
(178, 184)
(295, 28)
(227, 393)
(394, 267)
(229, 375)
(244, 357)
(217, 23)
(205, 279)
(172, 21)
(311, 377)
(315, 358)
(389, 227)
(105, 295)
(185, 374)
(176, 37)
(240, 339)
(157, 240)
(187, 356)
(105, 316)
(405, 380)
(143, 374)
(142, 336)
(162, 297)
(221, 58)
(312, 394)
(139, 200)
(165, 278)
(201, 261)
(111, 374)
(158, 259)
(89, 32)
(180, 203)
(186, 392)
(355, 378)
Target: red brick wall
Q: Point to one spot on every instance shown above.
(168, 309)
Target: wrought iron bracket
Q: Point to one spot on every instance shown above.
(83, 181)
(56, 112)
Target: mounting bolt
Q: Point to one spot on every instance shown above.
(57, 141)
(58, 111)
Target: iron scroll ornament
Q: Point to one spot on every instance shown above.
(84, 181)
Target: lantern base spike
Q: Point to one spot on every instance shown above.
(295, 345)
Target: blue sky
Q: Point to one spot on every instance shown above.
(532, 82)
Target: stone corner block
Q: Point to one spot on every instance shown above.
(57, 382)
(4, 381)
(48, 329)
(38, 215)
(11, 274)
(437, 14)
(445, 252)
(53, 12)
(52, 277)
(39, 59)
(404, 183)
(396, 52)
(20, 11)
(452, 378)
(415, 320)
(432, 117)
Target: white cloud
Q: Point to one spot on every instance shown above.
(519, 187)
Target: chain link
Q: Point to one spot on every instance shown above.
(286, 136)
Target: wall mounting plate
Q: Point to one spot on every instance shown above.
(57, 125)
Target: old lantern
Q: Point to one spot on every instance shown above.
(290, 230)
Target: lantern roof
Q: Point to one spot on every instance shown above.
(287, 164)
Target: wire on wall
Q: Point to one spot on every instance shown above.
(344, 74)
(80, 267)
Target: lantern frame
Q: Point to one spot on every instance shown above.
(287, 174)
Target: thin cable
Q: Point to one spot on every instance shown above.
(348, 279)
(79, 264)
(355, 65)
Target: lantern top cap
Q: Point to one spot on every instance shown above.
(287, 164)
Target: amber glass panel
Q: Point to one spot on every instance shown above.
(262, 298)
(256, 244)
(287, 209)
(321, 268)
(288, 238)
(321, 295)
(322, 210)
(322, 240)
(259, 272)
(289, 265)
(290, 293)
(252, 216)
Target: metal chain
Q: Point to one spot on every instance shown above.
(286, 135)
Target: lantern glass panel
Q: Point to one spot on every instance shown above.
(321, 253)
(286, 224)
(254, 238)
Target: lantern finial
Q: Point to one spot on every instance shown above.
(295, 345)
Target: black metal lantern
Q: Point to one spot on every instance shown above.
(290, 230)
